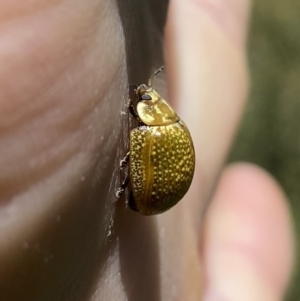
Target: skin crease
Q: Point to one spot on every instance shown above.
(65, 67)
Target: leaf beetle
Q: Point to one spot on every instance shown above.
(161, 155)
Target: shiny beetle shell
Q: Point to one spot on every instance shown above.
(162, 157)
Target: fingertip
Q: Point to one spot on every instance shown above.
(249, 237)
(229, 16)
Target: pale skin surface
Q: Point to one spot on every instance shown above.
(63, 80)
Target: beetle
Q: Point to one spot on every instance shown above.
(161, 155)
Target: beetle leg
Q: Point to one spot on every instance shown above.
(124, 161)
(132, 110)
(121, 189)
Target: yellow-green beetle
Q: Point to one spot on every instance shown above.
(161, 156)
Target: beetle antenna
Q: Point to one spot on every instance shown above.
(155, 74)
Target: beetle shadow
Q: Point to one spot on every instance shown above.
(138, 255)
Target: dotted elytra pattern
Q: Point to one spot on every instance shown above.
(162, 162)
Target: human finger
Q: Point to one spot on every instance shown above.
(248, 239)
(207, 72)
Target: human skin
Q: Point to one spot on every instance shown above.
(65, 69)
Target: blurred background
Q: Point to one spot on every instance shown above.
(270, 131)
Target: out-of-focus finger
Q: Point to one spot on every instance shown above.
(248, 244)
(207, 74)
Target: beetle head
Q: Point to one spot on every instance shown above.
(146, 93)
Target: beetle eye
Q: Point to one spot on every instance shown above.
(146, 97)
